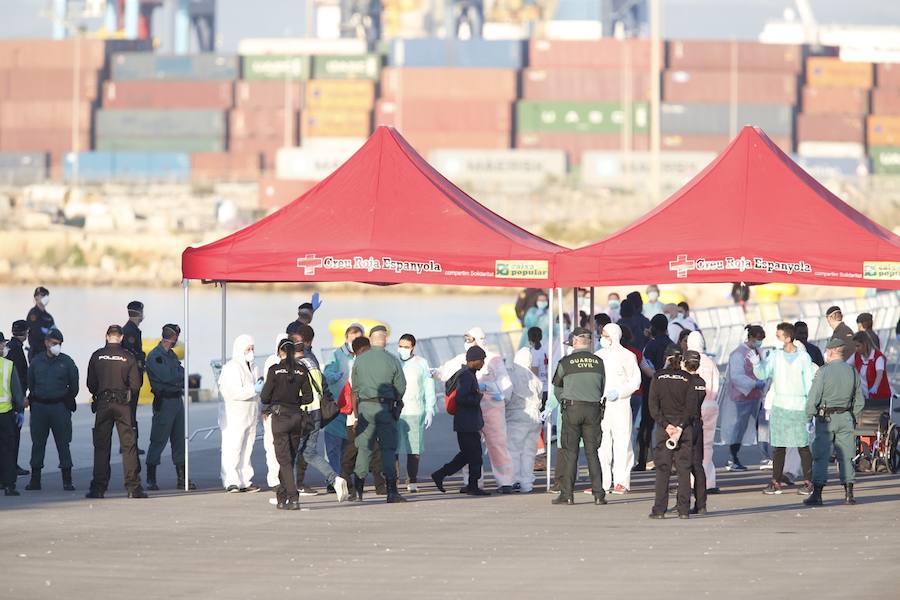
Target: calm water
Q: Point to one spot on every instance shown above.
(83, 314)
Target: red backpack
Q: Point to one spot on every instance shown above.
(450, 392)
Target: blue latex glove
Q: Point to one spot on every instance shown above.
(20, 419)
(612, 395)
(545, 415)
(316, 301)
(259, 386)
(760, 384)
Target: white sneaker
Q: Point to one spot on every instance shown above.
(412, 488)
(340, 488)
(273, 501)
(765, 464)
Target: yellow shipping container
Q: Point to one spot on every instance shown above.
(335, 123)
(340, 94)
(828, 71)
(883, 131)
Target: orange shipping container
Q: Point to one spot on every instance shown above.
(268, 94)
(743, 56)
(225, 166)
(887, 75)
(574, 144)
(257, 123)
(828, 71)
(884, 131)
(831, 128)
(716, 87)
(886, 102)
(275, 193)
(266, 148)
(168, 94)
(52, 54)
(348, 94)
(604, 54)
(711, 143)
(449, 84)
(848, 101)
(43, 116)
(446, 115)
(576, 84)
(335, 123)
(39, 140)
(23, 85)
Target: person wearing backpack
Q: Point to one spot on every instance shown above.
(465, 393)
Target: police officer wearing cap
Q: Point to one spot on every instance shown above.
(12, 404)
(674, 408)
(166, 377)
(579, 384)
(112, 379)
(133, 343)
(835, 400)
(39, 322)
(52, 389)
(15, 351)
(835, 319)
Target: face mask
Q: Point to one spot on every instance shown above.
(680, 315)
(45, 300)
(605, 342)
(5, 351)
(614, 304)
(542, 305)
(653, 296)
(405, 353)
(249, 356)
(757, 344)
(55, 350)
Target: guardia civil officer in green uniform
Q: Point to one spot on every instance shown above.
(52, 389)
(166, 377)
(579, 383)
(135, 344)
(836, 401)
(378, 386)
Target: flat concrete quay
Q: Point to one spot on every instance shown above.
(208, 544)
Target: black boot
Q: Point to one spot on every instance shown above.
(848, 494)
(151, 478)
(358, 485)
(35, 483)
(67, 480)
(10, 490)
(393, 495)
(815, 499)
(179, 473)
(562, 500)
(20, 472)
(138, 492)
(438, 478)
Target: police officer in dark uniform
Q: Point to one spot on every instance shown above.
(16, 353)
(698, 392)
(39, 322)
(579, 384)
(673, 406)
(112, 379)
(134, 344)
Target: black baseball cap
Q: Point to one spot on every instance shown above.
(135, 306)
(376, 329)
(581, 332)
(114, 330)
(19, 327)
(170, 330)
(692, 355)
(41, 291)
(833, 310)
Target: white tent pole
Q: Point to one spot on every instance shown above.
(562, 323)
(548, 427)
(224, 294)
(187, 395)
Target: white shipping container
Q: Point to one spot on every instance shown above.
(301, 46)
(633, 169)
(573, 30)
(307, 164)
(506, 169)
(831, 150)
(870, 55)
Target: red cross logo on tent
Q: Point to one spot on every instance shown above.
(309, 264)
(681, 265)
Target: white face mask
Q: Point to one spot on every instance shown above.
(45, 300)
(5, 351)
(405, 353)
(55, 350)
(605, 342)
(653, 296)
(249, 356)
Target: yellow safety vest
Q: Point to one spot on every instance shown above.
(315, 376)
(6, 371)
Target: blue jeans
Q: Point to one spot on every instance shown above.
(309, 448)
(334, 450)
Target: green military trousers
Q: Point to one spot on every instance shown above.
(838, 430)
(168, 426)
(376, 423)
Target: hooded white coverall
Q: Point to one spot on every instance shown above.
(523, 419)
(269, 439)
(624, 376)
(498, 389)
(238, 415)
(709, 410)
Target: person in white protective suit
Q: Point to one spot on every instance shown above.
(268, 439)
(497, 389)
(623, 378)
(742, 399)
(239, 384)
(709, 410)
(523, 419)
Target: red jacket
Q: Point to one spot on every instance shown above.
(884, 388)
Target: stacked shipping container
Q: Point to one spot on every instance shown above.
(883, 126)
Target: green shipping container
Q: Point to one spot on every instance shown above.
(275, 67)
(161, 144)
(367, 66)
(578, 117)
(885, 160)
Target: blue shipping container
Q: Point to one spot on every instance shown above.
(98, 167)
(204, 67)
(485, 54)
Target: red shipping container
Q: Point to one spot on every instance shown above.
(262, 123)
(446, 115)
(574, 144)
(835, 101)
(225, 166)
(266, 148)
(831, 128)
(887, 75)
(268, 94)
(168, 94)
(52, 54)
(38, 140)
(449, 84)
(743, 56)
(275, 193)
(47, 84)
(886, 101)
(15, 116)
(604, 54)
(583, 84)
(711, 143)
(426, 141)
(716, 87)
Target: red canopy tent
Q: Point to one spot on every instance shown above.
(384, 216)
(751, 215)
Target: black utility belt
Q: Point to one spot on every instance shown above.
(573, 402)
(378, 400)
(113, 397)
(36, 400)
(835, 411)
(285, 409)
